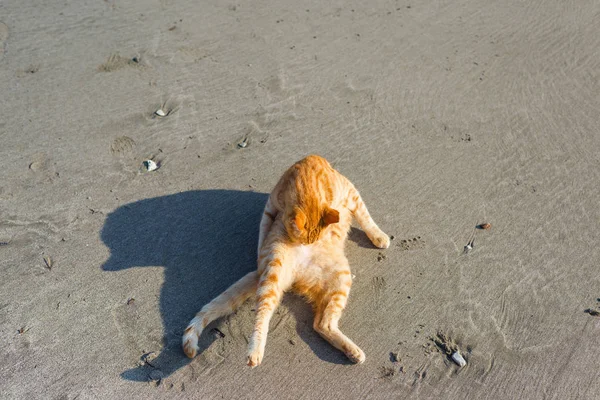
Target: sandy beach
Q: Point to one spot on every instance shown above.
(445, 115)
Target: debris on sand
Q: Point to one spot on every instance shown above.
(386, 372)
(49, 262)
(150, 165)
(444, 343)
(468, 247)
(22, 330)
(485, 226)
(148, 358)
(218, 333)
(449, 347)
(458, 359)
(160, 113)
(242, 144)
(593, 313)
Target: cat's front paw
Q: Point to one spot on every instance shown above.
(255, 358)
(380, 240)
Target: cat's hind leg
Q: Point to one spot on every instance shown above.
(274, 281)
(226, 303)
(357, 206)
(328, 311)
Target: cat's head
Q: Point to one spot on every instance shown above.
(306, 226)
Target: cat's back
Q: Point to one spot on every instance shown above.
(311, 178)
(309, 169)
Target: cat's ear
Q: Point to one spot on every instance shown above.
(299, 219)
(331, 216)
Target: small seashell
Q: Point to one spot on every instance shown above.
(160, 113)
(485, 226)
(458, 359)
(243, 143)
(150, 165)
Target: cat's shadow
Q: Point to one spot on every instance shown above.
(205, 240)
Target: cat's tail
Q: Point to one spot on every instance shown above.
(224, 304)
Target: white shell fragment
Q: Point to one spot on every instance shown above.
(458, 359)
(160, 113)
(242, 144)
(150, 165)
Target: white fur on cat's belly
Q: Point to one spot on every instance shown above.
(305, 268)
(304, 254)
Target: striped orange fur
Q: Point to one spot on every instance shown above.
(300, 249)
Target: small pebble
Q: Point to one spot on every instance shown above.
(485, 226)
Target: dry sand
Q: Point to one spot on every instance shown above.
(444, 114)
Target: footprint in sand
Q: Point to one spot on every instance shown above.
(3, 38)
(378, 284)
(411, 244)
(280, 99)
(349, 93)
(137, 338)
(115, 62)
(122, 145)
(42, 168)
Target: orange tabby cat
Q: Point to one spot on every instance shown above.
(300, 248)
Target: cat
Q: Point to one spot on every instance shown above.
(300, 249)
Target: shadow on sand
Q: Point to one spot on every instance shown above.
(205, 240)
